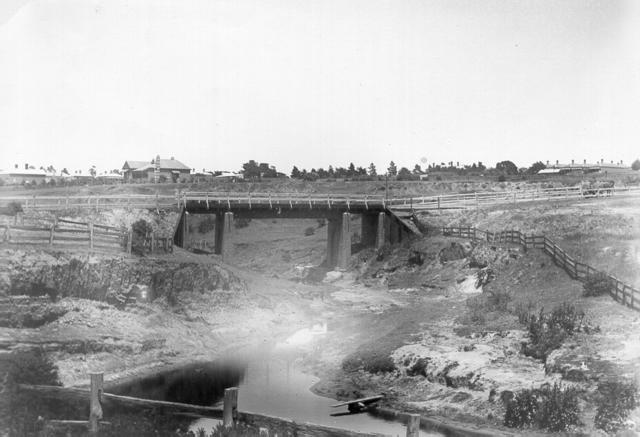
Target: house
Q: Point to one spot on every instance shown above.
(164, 169)
(27, 175)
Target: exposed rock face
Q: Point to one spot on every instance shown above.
(103, 278)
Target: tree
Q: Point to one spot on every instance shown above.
(331, 171)
(507, 167)
(636, 165)
(251, 170)
(536, 167)
(64, 171)
(92, 171)
(417, 169)
(372, 170)
(404, 174)
(351, 171)
(392, 169)
(295, 173)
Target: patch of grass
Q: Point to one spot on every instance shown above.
(597, 285)
(552, 408)
(616, 399)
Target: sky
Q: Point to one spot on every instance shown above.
(314, 83)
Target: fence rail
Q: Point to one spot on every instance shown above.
(621, 292)
(317, 200)
(267, 425)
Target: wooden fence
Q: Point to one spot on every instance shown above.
(70, 233)
(66, 232)
(621, 292)
(266, 425)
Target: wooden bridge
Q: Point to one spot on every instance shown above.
(384, 219)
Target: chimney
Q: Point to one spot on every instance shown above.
(557, 162)
(601, 160)
(584, 161)
(547, 163)
(457, 163)
(26, 166)
(572, 162)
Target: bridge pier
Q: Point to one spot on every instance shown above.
(224, 231)
(374, 229)
(339, 241)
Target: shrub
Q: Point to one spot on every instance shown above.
(241, 223)
(140, 230)
(616, 399)
(548, 331)
(32, 367)
(597, 285)
(502, 178)
(309, 231)
(636, 165)
(552, 408)
(372, 361)
(207, 224)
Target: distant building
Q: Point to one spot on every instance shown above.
(26, 175)
(169, 170)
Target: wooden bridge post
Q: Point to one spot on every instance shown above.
(413, 425)
(230, 410)
(95, 409)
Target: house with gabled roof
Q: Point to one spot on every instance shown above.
(169, 170)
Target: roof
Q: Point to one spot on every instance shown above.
(23, 172)
(132, 165)
(165, 164)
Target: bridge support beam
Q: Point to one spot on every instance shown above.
(381, 230)
(224, 231)
(339, 241)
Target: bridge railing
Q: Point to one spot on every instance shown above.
(446, 201)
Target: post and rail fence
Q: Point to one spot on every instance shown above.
(621, 292)
(264, 424)
(471, 200)
(71, 233)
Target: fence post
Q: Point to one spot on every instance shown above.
(95, 409)
(413, 425)
(129, 240)
(230, 410)
(53, 229)
(90, 226)
(153, 241)
(438, 202)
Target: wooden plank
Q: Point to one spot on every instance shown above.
(366, 400)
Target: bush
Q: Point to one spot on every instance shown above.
(207, 224)
(241, 223)
(597, 285)
(616, 399)
(32, 367)
(502, 178)
(309, 231)
(140, 230)
(371, 361)
(12, 208)
(636, 165)
(552, 408)
(548, 331)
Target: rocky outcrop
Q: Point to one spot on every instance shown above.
(105, 277)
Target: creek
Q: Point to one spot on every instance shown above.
(270, 382)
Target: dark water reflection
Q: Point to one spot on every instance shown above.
(199, 383)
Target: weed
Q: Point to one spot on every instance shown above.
(597, 285)
(616, 399)
(552, 408)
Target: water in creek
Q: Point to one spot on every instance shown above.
(269, 381)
